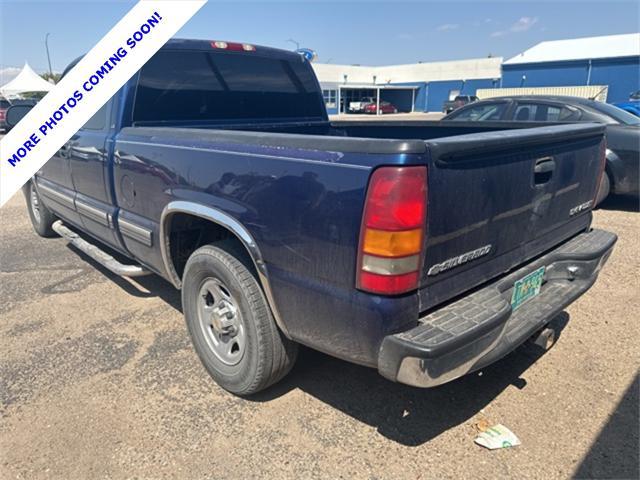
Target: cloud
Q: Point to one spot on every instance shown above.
(8, 73)
(522, 25)
(447, 27)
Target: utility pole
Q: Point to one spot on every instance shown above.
(46, 44)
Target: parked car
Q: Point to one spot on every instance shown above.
(457, 102)
(27, 103)
(623, 130)
(358, 106)
(385, 107)
(4, 105)
(632, 105)
(425, 259)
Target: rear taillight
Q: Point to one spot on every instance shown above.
(603, 162)
(392, 232)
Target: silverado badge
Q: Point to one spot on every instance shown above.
(459, 260)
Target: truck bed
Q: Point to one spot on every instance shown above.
(301, 197)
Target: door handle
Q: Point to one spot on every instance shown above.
(543, 170)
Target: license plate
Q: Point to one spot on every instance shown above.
(527, 287)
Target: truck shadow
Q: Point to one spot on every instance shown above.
(614, 453)
(621, 203)
(143, 287)
(407, 415)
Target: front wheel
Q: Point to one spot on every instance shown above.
(41, 217)
(231, 325)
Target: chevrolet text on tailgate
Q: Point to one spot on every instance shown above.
(422, 249)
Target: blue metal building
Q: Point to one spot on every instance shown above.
(612, 61)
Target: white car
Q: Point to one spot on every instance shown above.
(358, 107)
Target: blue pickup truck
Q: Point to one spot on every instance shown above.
(424, 250)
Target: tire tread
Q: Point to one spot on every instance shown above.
(276, 353)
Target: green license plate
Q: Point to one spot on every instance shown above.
(527, 287)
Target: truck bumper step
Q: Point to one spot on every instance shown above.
(100, 256)
(482, 327)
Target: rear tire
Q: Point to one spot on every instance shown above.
(41, 217)
(231, 325)
(604, 189)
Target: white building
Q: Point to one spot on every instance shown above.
(412, 87)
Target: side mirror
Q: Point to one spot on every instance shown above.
(15, 113)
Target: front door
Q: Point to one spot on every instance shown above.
(56, 188)
(90, 171)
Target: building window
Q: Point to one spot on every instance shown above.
(453, 94)
(330, 98)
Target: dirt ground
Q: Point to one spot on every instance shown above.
(98, 379)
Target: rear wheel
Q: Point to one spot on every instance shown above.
(231, 325)
(41, 217)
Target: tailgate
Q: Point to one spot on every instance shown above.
(498, 199)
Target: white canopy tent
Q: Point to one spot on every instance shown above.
(26, 81)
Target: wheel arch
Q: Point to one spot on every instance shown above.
(613, 168)
(235, 230)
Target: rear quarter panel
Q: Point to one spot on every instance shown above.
(302, 207)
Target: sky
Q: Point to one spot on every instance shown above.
(356, 32)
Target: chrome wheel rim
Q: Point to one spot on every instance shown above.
(35, 204)
(221, 321)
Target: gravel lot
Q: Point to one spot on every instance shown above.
(98, 379)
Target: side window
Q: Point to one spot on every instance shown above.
(539, 112)
(329, 98)
(99, 120)
(527, 112)
(553, 114)
(568, 114)
(480, 113)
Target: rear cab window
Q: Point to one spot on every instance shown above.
(196, 86)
